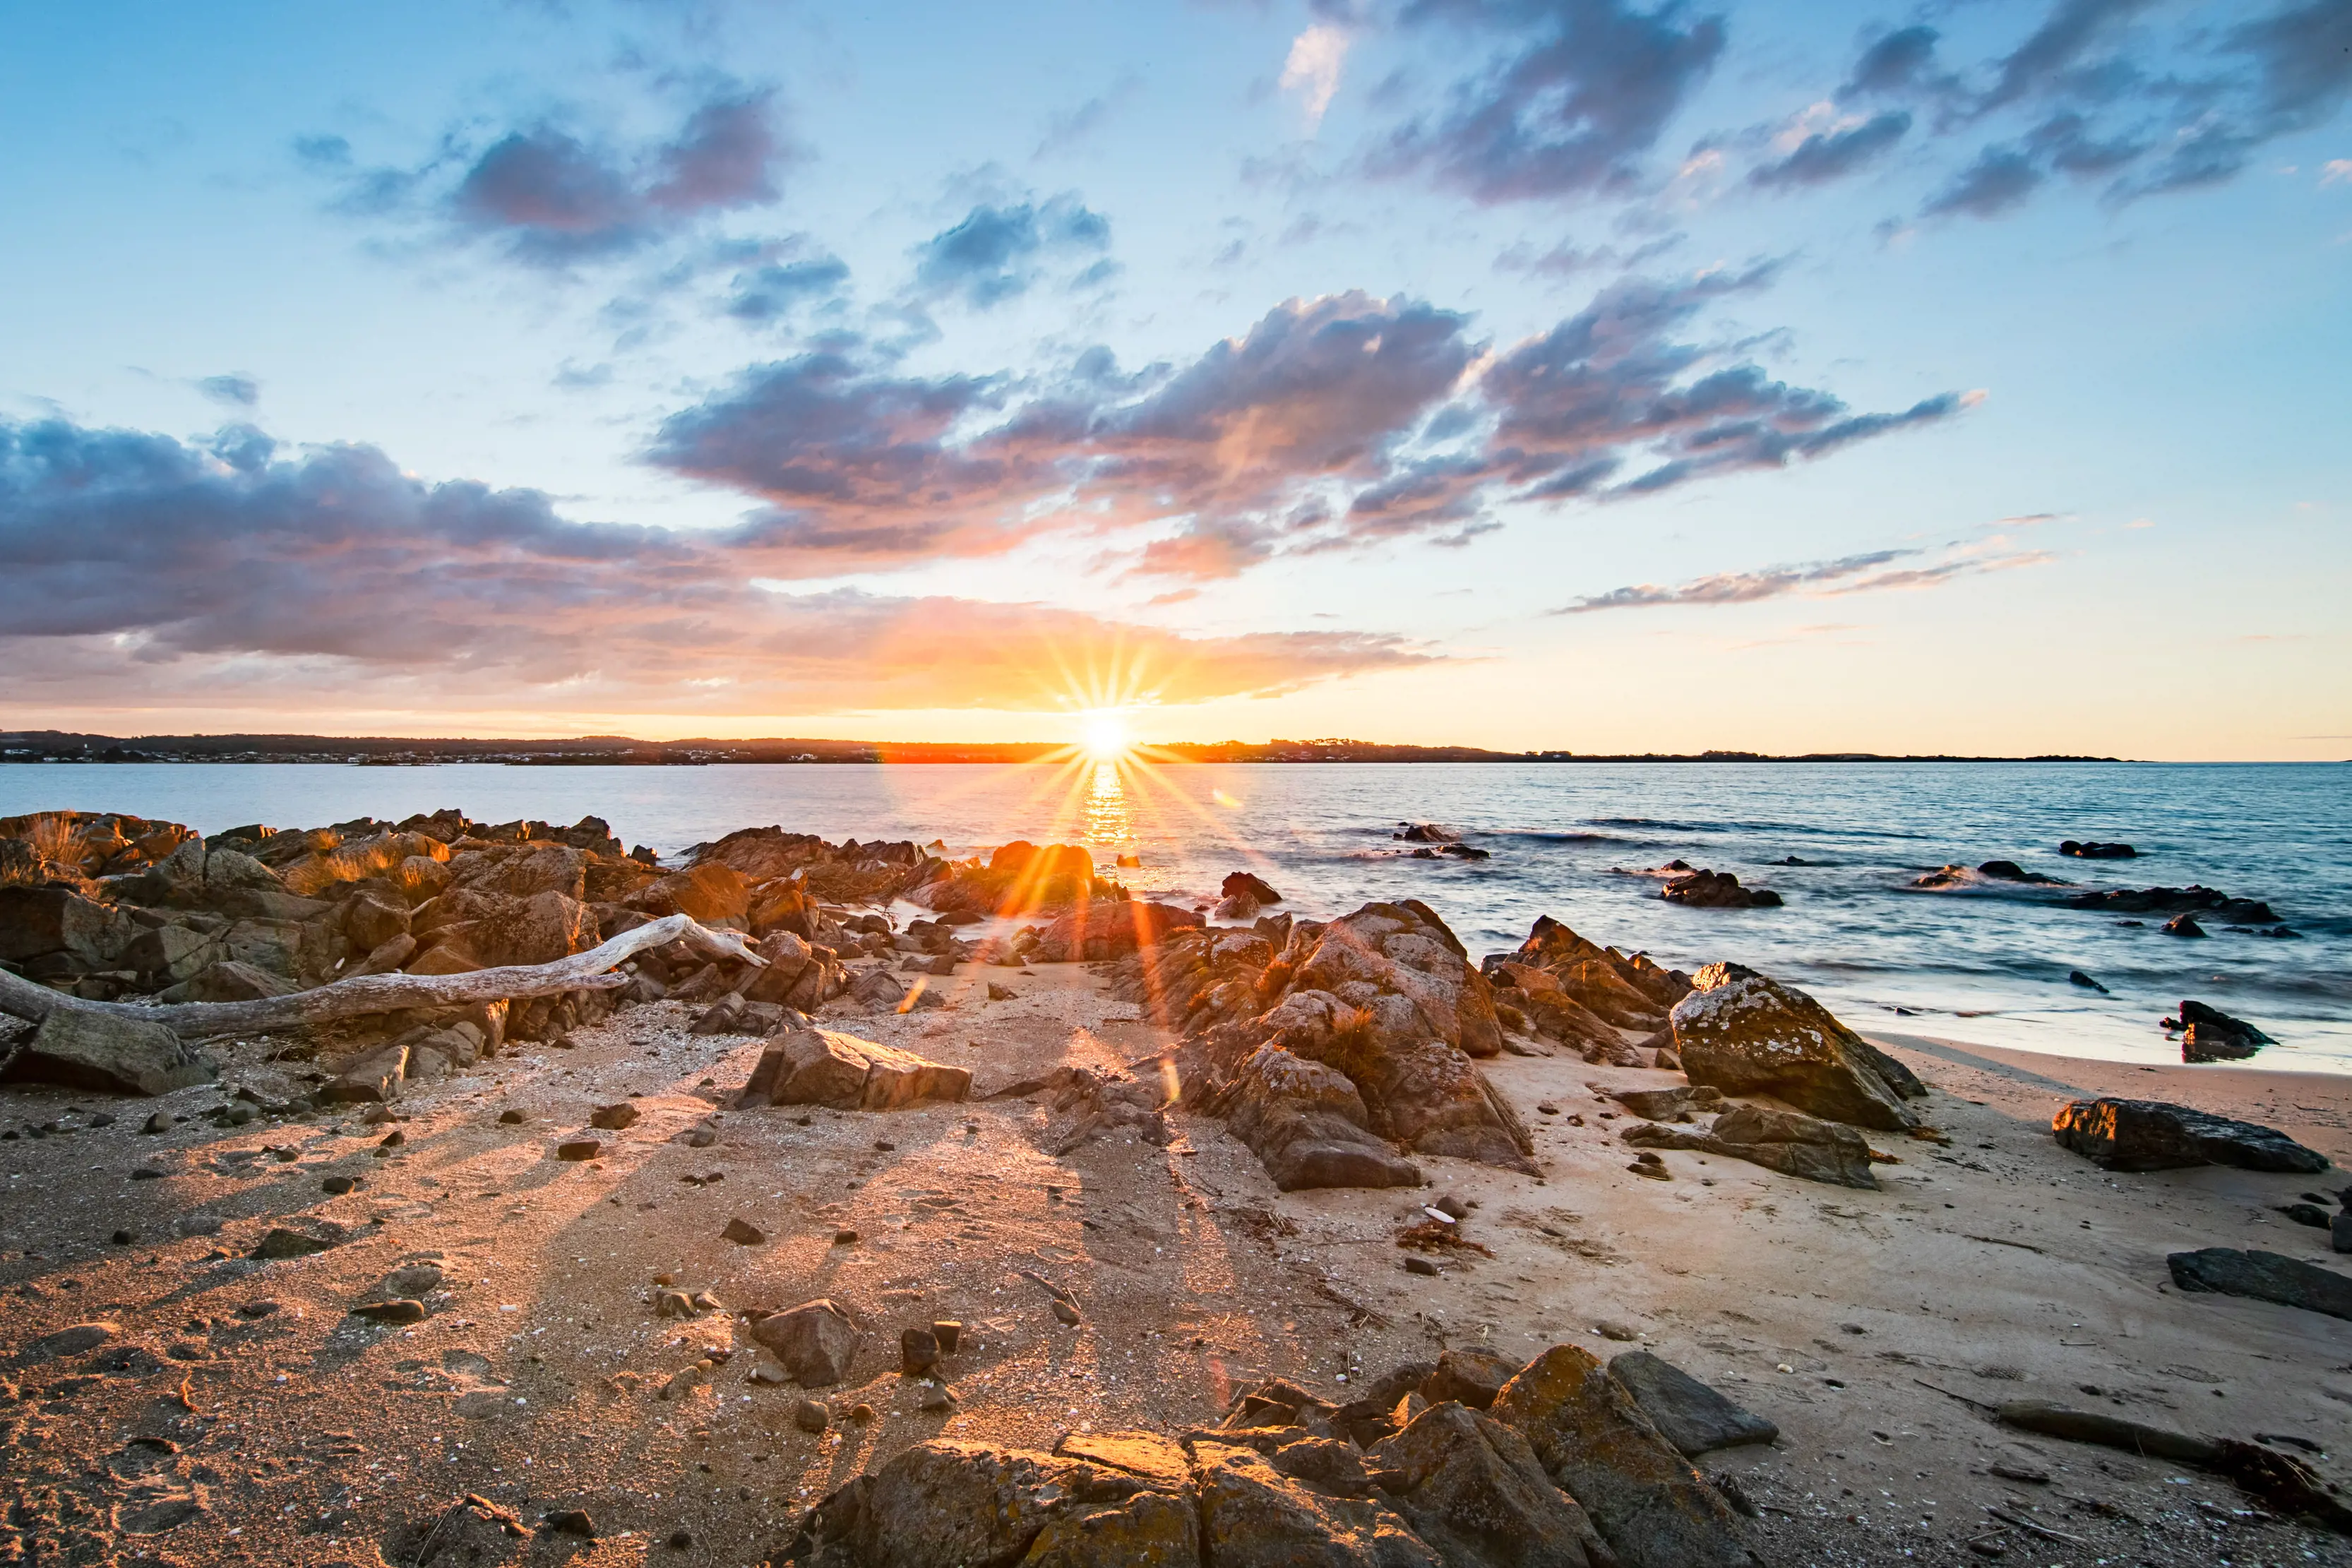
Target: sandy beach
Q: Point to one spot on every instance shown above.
(242, 1415)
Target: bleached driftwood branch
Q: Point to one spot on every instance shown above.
(588, 971)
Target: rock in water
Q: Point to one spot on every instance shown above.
(107, 1051)
(1472, 1488)
(824, 1067)
(2263, 1277)
(2151, 1135)
(816, 1341)
(1716, 890)
(1688, 1413)
(1246, 885)
(2094, 850)
(1650, 1506)
(1744, 1034)
(2209, 1034)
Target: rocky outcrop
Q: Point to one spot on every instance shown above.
(1308, 1124)
(2209, 1034)
(1990, 871)
(2152, 1135)
(1019, 879)
(797, 974)
(713, 892)
(2263, 1277)
(54, 933)
(1108, 928)
(1716, 890)
(108, 1052)
(1792, 1145)
(1586, 996)
(1472, 1488)
(823, 1067)
(1744, 1033)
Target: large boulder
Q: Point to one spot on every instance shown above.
(1473, 1489)
(1309, 1126)
(1108, 928)
(825, 1067)
(329, 860)
(1254, 1516)
(797, 974)
(1716, 890)
(1784, 1141)
(816, 1341)
(481, 929)
(2151, 1135)
(2209, 1034)
(762, 854)
(54, 931)
(525, 871)
(112, 1052)
(228, 980)
(713, 892)
(199, 875)
(1744, 1033)
(1650, 1506)
(1402, 962)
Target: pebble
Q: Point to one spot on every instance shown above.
(936, 1397)
(161, 1121)
(1419, 1266)
(844, 1237)
(145, 1173)
(570, 1521)
(510, 1118)
(861, 1414)
(404, 1309)
(949, 1332)
(680, 1539)
(1066, 1314)
(124, 1237)
(338, 1184)
(918, 1352)
(810, 1415)
(613, 1118)
(393, 1139)
(743, 1233)
(578, 1149)
(884, 1144)
(1608, 1329)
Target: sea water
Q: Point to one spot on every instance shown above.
(1982, 961)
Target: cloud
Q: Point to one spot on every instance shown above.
(1312, 69)
(552, 197)
(774, 289)
(1067, 131)
(999, 253)
(1827, 155)
(232, 392)
(1331, 424)
(1872, 571)
(2336, 171)
(1999, 179)
(1580, 90)
(330, 568)
(1897, 62)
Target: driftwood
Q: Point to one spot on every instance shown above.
(588, 971)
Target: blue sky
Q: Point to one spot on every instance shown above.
(1576, 373)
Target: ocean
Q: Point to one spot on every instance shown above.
(1981, 961)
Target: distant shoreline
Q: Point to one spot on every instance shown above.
(54, 747)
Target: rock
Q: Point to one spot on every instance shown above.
(1716, 890)
(2176, 901)
(573, 1521)
(1744, 1033)
(712, 891)
(816, 1341)
(1254, 1516)
(1791, 1143)
(918, 1352)
(2094, 850)
(1688, 1413)
(1064, 1312)
(74, 1341)
(937, 1505)
(376, 1078)
(336, 1185)
(743, 1233)
(1473, 1491)
(2077, 977)
(108, 1052)
(1248, 885)
(286, 1241)
(1419, 1266)
(2263, 1277)
(1670, 1105)
(2339, 1232)
(55, 930)
(397, 1311)
(2210, 1034)
(2183, 926)
(1422, 834)
(947, 1333)
(613, 1118)
(824, 1067)
(810, 1415)
(578, 1149)
(1107, 929)
(2309, 1214)
(371, 919)
(1471, 1377)
(1649, 1505)
(2152, 1135)
(1308, 1124)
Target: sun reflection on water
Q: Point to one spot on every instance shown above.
(1109, 818)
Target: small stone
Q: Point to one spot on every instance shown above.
(811, 1416)
(673, 1304)
(680, 1539)
(1608, 1329)
(570, 1522)
(918, 1352)
(884, 1144)
(260, 1309)
(283, 1155)
(510, 1118)
(1452, 1207)
(844, 1237)
(1545, 1108)
(146, 1173)
(403, 1311)
(578, 1149)
(1419, 1266)
(743, 1233)
(936, 1397)
(2010, 1470)
(1066, 1314)
(161, 1121)
(949, 1332)
(393, 1139)
(1652, 1167)
(338, 1184)
(861, 1414)
(613, 1118)
(123, 1238)
(701, 1138)
(283, 1242)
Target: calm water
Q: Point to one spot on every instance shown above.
(1985, 964)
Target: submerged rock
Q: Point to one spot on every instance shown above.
(2209, 1034)
(2152, 1135)
(1716, 890)
(2094, 850)
(2192, 899)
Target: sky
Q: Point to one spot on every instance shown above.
(1967, 377)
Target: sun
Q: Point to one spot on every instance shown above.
(1105, 735)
